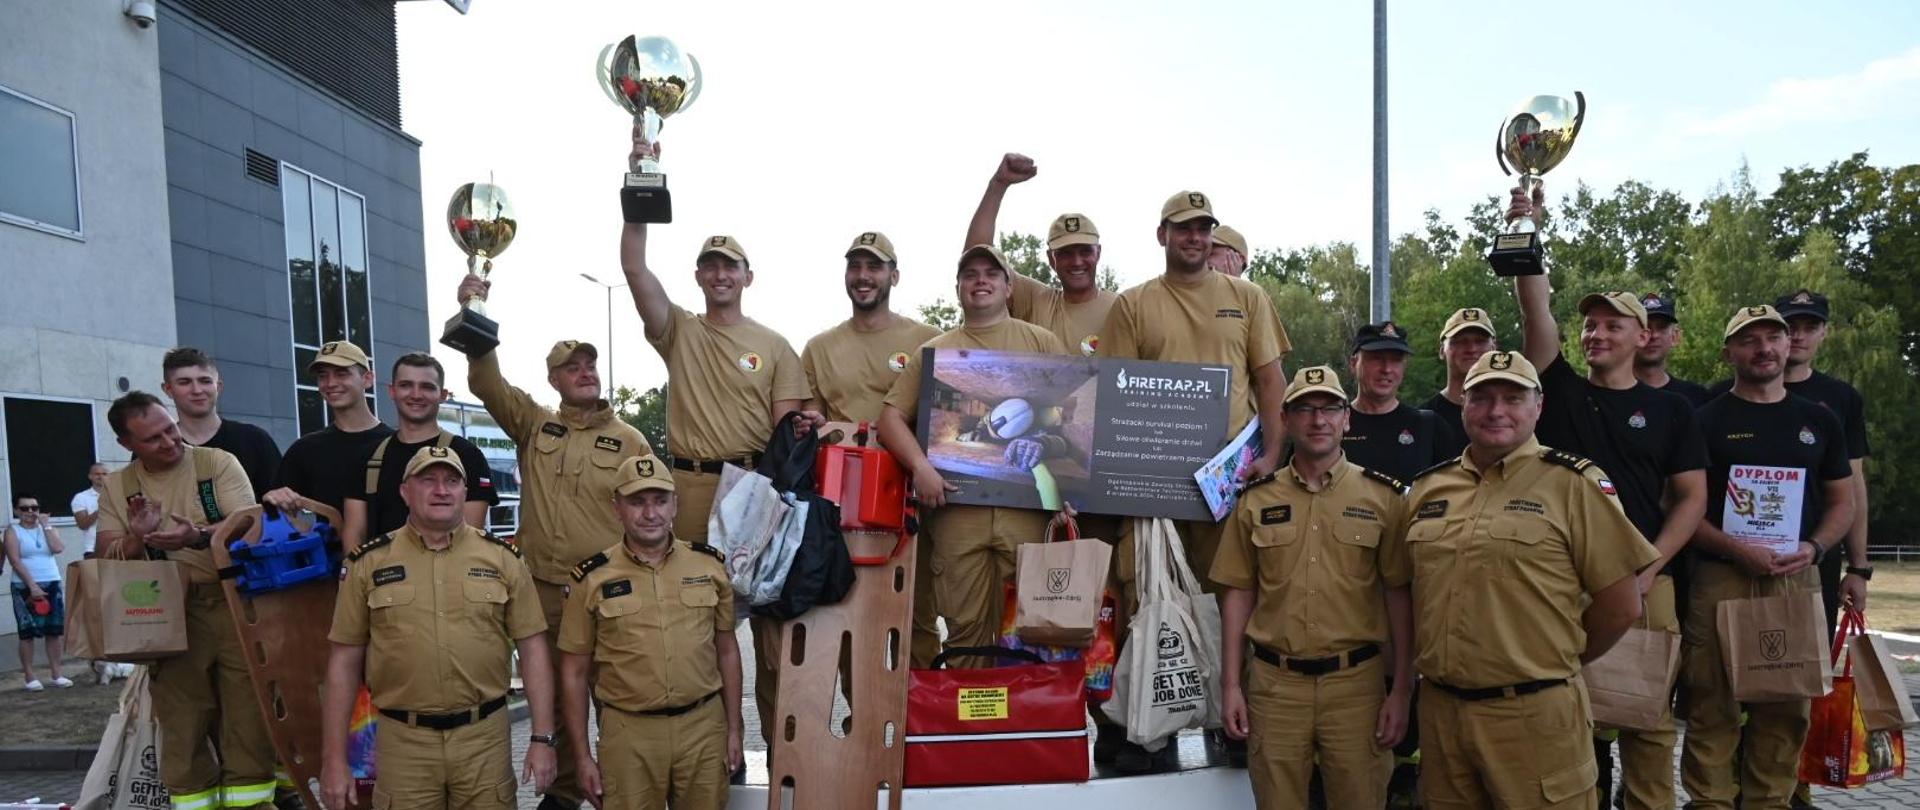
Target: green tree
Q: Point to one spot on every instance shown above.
(646, 412)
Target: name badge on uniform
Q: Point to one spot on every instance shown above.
(1431, 509)
(1276, 515)
(616, 588)
(389, 574)
(554, 429)
(483, 573)
(703, 579)
(607, 443)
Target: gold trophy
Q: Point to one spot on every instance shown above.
(482, 223)
(1533, 139)
(652, 79)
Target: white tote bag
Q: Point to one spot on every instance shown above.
(125, 774)
(1168, 675)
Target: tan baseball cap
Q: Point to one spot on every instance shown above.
(1511, 367)
(1224, 235)
(428, 456)
(1625, 303)
(873, 242)
(1468, 318)
(342, 353)
(1748, 316)
(1072, 229)
(1315, 380)
(1187, 205)
(563, 351)
(724, 245)
(643, 473)
(990, 252)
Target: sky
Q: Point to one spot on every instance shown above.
(820, 121)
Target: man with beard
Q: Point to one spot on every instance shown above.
(1663, 336)
(321, 464)
(1191, 314)
(1646, 441)
(1467, 334)
(191, 379)
(1229, 255)
(375, 507)
(1076, 310)
(1384, 433)
(1763, 441)
(849, 370)
(214, 748)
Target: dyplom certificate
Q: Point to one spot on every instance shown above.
(1763, 506)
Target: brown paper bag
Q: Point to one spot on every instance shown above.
(1631, 686)
(1884, 702)
(1776, 647)
(1059, 585)
(126, 610)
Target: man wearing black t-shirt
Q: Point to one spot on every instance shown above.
(374, 507)
(192, 380)
(1384, 433)
(1467, 335)
(1770, 454)
(1663, 336)
(327, 464)
(1806, 313)
(1646, 441)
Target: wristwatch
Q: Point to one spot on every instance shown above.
(1864, 573)
(548, 740)
(204, 539)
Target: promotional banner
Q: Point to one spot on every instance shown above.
(1113, 436)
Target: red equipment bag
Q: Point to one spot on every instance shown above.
(1002, 726)
(871, 489)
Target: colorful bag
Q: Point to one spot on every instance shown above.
(1010, 725)
(1884, 702)
(1840, 752)
(1099, 656)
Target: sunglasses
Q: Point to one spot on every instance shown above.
(28, 507)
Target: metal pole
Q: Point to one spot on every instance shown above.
(610, 388)
(1382, 308)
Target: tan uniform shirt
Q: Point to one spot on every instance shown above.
(1501, 560)
(849, 371)
(1218, 320)
(1318, 562)
(439, 625)
(649, 628)
(569, 463)
(178, 490)
(724, 381)
(1077, 325)
(1009, 335)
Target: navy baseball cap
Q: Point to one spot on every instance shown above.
(1802, 302)
(1659, 306)
(1383, 336)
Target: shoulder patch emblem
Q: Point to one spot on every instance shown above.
(1276, 515)
(897, 361)
(749, 362)
(1391, 482)
(554, 429)
(369, 546)
(587, 565)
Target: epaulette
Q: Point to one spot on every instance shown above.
(1436, 468)
(587, 565)
(1565, 459)
(1392, 483)
(1268, 478)
(708, 549)
(496, 540)
(370, 545)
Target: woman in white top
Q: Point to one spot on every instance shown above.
(38, 608)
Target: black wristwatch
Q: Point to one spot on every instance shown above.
(1864, 573)
(548, 740)
(204, 540)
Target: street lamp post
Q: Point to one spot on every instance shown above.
(609, 288)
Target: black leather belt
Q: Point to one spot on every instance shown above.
(1492, 692)
(749, 462)
(1318, 666)
(674, 711)
(443, 722)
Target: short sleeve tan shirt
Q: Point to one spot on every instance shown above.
(1077, 325)
(650, 628)
(724, 380)
(1216, 320)
(850, 371)
(1010, 335)
(178, 490)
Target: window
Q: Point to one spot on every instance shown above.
(327, 279)
(39, 165)
(49, 448)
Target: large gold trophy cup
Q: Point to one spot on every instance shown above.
(653, 80)
(1533, 139)
(482, 223)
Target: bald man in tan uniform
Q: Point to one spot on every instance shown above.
(1523, 570)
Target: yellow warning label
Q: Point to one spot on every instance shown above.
(987, 703)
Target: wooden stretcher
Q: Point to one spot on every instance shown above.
(284, 634)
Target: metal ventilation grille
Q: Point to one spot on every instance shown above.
(263, 168)
(349, 47)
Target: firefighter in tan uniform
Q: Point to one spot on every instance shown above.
(569, 458)
(849, 369)
(169, 500)
(973, 546)
(431, 614)
(1317, 588)
(1077, 309)
(653, 618)
(1523, 570)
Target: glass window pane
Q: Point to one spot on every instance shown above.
(353, 264)
(302, 360)
(326, 246)
(37, 164)
(313, 411)
(294, 196)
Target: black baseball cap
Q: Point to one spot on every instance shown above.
(1659, 306)
(1802, 302)
(1383, 336)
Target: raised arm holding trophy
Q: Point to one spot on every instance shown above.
(482, 223)
(651, 78)
(1533, 139)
